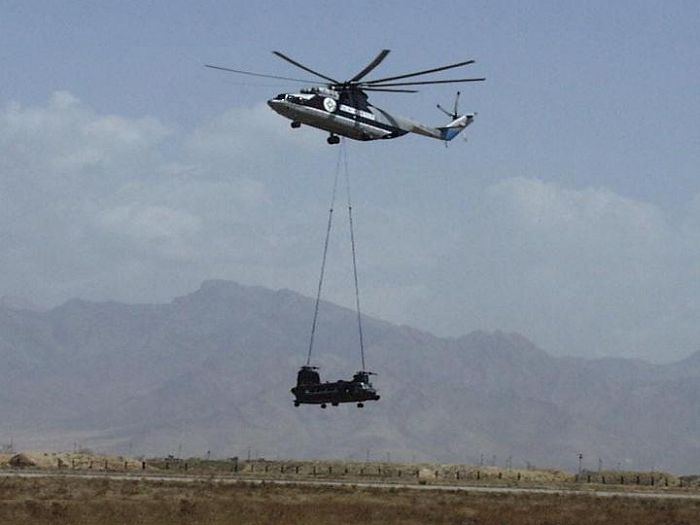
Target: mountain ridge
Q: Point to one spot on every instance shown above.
(211, 370)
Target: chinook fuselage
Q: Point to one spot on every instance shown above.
(310, 390)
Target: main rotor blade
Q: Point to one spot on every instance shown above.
(302, 66)
(425, 82)
(241, 72)
(434, 70)
(390, 90)
(377, 60)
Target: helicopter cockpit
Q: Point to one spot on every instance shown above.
(319, 90)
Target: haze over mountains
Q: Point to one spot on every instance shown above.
(212, 371)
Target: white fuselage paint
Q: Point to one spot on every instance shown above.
(327, 110)
(341, 120)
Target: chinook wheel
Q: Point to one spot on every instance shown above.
(333, 139)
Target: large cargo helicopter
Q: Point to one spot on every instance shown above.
(311, 391)
(342, 107)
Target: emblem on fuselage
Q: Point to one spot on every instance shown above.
(329, 104)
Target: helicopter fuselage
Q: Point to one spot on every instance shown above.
(310, 391)
(328, 111)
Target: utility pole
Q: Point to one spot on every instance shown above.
(8, 447)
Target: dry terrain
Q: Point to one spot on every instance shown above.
(105, 501)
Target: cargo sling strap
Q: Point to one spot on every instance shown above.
(341, 164)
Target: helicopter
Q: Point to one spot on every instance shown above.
(311, 391)
(342, 108)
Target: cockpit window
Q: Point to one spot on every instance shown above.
(280, 96)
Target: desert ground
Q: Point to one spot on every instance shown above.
(105, 500)
(86, 489)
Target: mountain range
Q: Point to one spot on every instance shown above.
(211, 371)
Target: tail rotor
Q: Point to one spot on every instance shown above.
(455, 111)
(457, 121)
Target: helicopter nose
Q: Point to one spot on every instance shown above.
(275, 104)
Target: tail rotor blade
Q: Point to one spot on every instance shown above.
(456, 109)
(444, 110)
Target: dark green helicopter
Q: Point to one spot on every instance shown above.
(311, 391)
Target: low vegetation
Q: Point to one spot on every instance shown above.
(66, 500)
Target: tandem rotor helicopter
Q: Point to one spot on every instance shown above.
(342, 107)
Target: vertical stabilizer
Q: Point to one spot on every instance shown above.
(455, 127)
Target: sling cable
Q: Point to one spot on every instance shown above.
(309, 388)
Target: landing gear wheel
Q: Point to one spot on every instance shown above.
(333, 139)
(296, 403)
(323, 405)
(360, 405)
(295, 124)
(334, 404)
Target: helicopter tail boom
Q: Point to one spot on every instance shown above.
(455, 127)
(445, 133)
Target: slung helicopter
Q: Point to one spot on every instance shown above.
(342, 107)
(311, 391)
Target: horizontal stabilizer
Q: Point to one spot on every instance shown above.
(455, 127)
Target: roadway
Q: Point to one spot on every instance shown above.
(646, 494)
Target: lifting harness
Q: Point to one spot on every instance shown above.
(309, 389)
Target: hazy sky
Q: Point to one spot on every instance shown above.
(572, 215)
